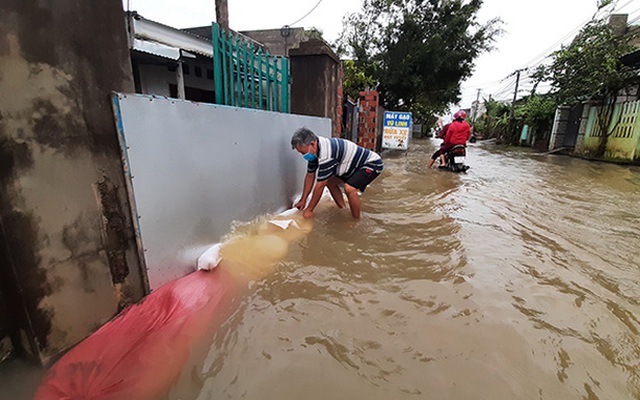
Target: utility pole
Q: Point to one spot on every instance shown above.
(515, 94)
(476, 107)
(513, 105)
(222, 14)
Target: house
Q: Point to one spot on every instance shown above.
(170, 62)
(576, 129)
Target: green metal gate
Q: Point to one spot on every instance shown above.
(248, 77)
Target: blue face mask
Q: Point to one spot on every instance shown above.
(309, 157)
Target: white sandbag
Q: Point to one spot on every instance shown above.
(288, 213)
(210, 258)
(284, 223)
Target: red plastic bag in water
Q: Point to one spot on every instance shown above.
(140, 354)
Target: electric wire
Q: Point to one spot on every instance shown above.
(527, 82)
(307, 14)
(537, 60)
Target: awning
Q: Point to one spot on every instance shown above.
(157, 49)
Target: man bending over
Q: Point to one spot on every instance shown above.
(332, 162)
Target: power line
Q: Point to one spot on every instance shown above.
(544, 54)
(307, 14)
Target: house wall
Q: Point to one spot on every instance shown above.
(68, 258)
(559, 127)
(624, 128)
(157, 78)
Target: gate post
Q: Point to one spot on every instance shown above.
(559, 127)
(315, 80)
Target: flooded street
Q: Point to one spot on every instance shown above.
(519, 279)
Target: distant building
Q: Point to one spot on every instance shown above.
(277, 41)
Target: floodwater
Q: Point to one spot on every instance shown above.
(517, 280)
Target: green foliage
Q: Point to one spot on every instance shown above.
(590, 68)
(604, 3)
(495, 120)
(422, 49)
(356, 78)
(538, 112)
(313, 33)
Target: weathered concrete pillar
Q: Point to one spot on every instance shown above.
(368, 118)
(315, 81)
(582, 130)
(559, 127)
(618, 23)
(68, 259)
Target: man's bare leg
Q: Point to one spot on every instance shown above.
(354, 200)
(336, 193)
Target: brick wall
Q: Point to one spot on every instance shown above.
(368, 119)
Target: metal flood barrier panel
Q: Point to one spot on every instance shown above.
(195, 168)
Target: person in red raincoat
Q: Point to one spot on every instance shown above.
(458, 132)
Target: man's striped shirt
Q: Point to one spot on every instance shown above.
(342, 158)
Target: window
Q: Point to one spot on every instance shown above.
(198, 72)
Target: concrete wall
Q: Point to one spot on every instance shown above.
(623, 139)
(156, 78)
(273, 40)
(315, 82)
(559, 127)
(68, 260)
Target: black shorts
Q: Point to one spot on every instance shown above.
(361, 178)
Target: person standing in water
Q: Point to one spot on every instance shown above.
(331, 162)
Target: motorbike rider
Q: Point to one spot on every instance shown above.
(458, 132)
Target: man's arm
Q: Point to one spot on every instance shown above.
(317, 194)
(309, 179)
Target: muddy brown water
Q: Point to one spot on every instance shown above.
(517, 280)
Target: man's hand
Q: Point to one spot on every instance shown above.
(307, 214)
(299, 205)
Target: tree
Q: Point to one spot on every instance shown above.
(355, 79)
(494, 122)
(421, 49)
(589, 69)
(537, 112)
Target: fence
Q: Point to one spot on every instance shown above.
(248, 77)
(623, 131)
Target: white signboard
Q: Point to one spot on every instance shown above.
(396, 130)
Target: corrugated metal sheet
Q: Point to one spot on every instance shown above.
(146, 30)
(157, 49)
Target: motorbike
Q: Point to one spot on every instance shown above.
(454, 159)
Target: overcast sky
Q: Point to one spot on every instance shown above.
(532, 28)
